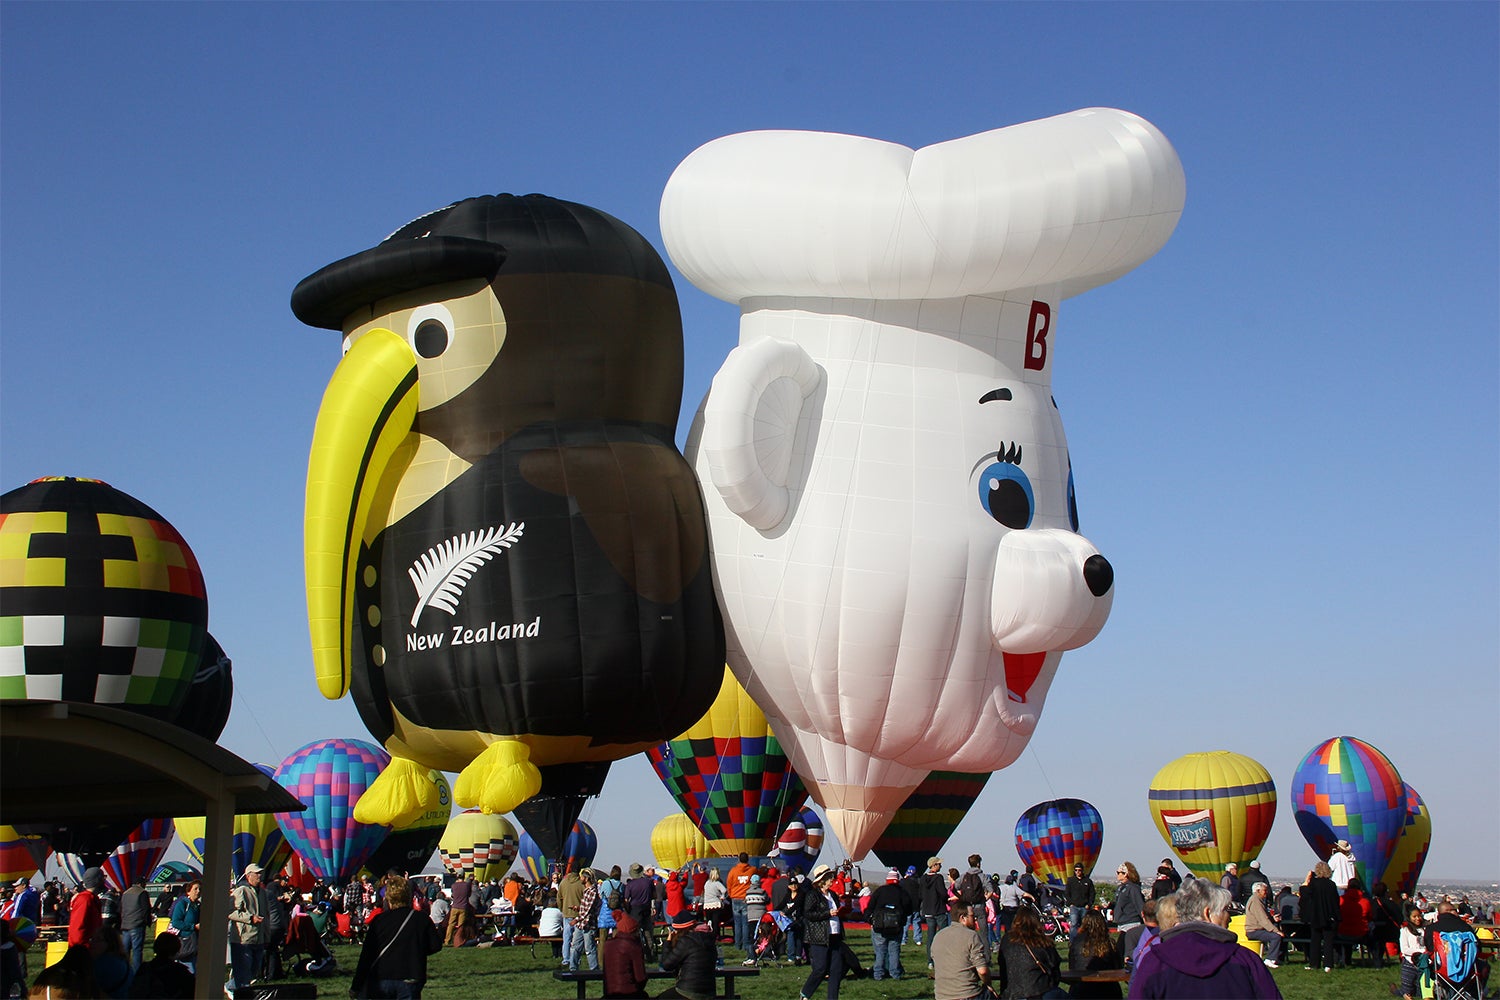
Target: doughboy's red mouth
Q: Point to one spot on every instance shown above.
(1021, 670)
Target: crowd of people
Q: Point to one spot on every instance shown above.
(982, 934)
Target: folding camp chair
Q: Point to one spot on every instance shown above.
(1455, 973)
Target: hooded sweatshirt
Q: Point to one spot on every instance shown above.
(1200, 959)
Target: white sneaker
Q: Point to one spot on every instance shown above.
(1270, 964)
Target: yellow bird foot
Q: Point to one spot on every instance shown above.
(401, 794)
(499, 779)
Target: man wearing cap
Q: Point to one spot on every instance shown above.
(757, 901)
(911, 884)
(1230, 881)
(246, 929)
(638, 893)
(887, 912)
(27, 902)
(690, 952)
(85, 913)
(1248, 882)
(934, 901)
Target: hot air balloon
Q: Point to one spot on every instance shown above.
(888, 484)
(175, 871)
(577, 852)
(800, 843)
(675, 842)
(72, 865)
(478, 844)
(139, 854)
(1054, 836)
(108, 599)
(330, 776)
(1345, 789)
(20, 856)
(1213, 808)
(1411, 848)
(506, 554)
(928, 818)
(298, 874)
(408, 848)
(729, 774)
(205, 710)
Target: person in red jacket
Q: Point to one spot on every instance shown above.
(676, 896)
(624, 959)
(85, 915)
(1355, 913)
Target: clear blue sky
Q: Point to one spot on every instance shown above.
(1284, 426)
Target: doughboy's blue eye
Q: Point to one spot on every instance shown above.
(1005, 494)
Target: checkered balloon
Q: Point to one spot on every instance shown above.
(329, 776)
(478, 844)
(103, 600)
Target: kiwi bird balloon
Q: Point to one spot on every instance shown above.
(506, 554)
(890, 493)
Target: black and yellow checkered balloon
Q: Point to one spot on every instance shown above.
(101, 600)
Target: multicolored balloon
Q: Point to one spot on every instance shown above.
(175, 871)
(479, 845)
(106, 599)
(577, 852)
(329, 776)
(535, 589)
(928, 818)
(730, 775)
(139, 855)
(675, 842)
(1054, 836)
(1345, 789)
(408, 848)
(1411, 849)
(897, 598)
(20, 856)
(205, 710)
(1213, 808)
(255, 837)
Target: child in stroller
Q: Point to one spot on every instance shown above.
(770, 939)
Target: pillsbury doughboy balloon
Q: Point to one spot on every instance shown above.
(889, 489)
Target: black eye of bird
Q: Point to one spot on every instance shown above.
(430, 338)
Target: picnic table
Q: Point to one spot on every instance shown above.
(1096, 975)
(585, 976)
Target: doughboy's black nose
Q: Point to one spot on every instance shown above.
(1098, 574)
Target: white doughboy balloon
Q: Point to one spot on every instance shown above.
(888, 483)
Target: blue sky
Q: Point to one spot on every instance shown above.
(1284, 426)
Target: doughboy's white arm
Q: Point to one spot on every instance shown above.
(750, 423)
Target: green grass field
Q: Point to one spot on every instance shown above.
(502, 971)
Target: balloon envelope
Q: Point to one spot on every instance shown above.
(928, 818)
(675, 842)
(139, 854)
(1054, 836)
(175, 871)
(20, 856)
(1411, 849)
(254, 837)
(329, 776)
(477, 844)
(1345, 789)
(578, 851)
(730, 775)
(1213, 808)
(407, 848)
(799, 844)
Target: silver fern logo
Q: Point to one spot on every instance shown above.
(443, 571)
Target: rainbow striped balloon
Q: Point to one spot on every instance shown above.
(927, 818)
(329, 776)
(1345, 789)
(139, 854)
(1054, 836)
(1213, 809)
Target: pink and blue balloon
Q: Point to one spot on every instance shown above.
(329, 776)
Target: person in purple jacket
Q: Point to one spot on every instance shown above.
(1200, 956)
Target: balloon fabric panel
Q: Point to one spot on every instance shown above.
(928, 818)
(1411, 848)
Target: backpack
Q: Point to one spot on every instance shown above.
(887, 918)
(970, 890)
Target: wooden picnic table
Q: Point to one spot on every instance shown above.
(1096, 975)
(583, 977)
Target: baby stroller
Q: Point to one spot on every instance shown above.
(770, 940)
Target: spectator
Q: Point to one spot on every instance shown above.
(1319, 905)
(163, 978)
(1341, 865)
(974, 891)
(111, 966)
(1093, 951)
(1129, 901)
(1355, 911)
(960, 960)
(738, 883)
(136, 919)
(1288, 906)
(1261, 926)
(585, 924)
(1079, 893)
(1412, 951)
(692, 954)
(246, 928)
(85, 916)
(184, 922)
(1199, 956)
(1029, 964)
(1150, 918)
(714, 900)
(823, 933)
(1248, 881)
(393, 960)
(1230, 881)
(887, 914)
(934, 902)
(461, 911)
(624, 959)
(756, 904)
(911, 884)
(790, 907)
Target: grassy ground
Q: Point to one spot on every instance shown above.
(502, 972)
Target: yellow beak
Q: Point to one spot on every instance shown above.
(369, 408)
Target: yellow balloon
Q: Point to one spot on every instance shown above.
(479, 844)
(675, 842)
(1213, 809)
